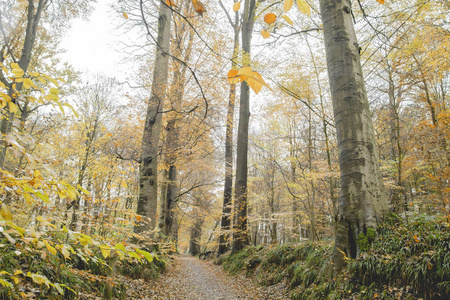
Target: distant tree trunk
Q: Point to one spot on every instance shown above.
(148, 179)
(240, 235)
(362, 200)
(228, 185)
(196, 230)
(397, 192)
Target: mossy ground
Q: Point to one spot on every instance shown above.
(408, 259)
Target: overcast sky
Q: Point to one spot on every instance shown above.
(92, 45)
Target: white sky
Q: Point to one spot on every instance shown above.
(92, 45)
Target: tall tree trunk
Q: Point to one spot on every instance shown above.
(362, 199)
(240, 236)
(228, 186)
(168, 205)
(148, 179)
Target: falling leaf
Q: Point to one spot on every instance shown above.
(125, 15)
(233, 77)
(416, 238)
(304, 7)
(138, 218)
(170, 3)
(288, 5)
(288, 20)
(245, 72)
(256, 82)
(270, 18)
(198, 7)
(265, 34)
(236, 6)
(380, 1)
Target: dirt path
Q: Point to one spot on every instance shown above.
(192, 279)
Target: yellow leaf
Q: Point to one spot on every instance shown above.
(17, 272)
(170, 3)
(15, 66)
(54, 91)
(120, 246)
(125, 15)
(50, 248)
(40, 219)
(13, 107)
(5, 283)
(106, 251)
(304, 7)
(288, 4)
(380, 1)
(198, 7)
(236, 6)
(2, 85)
(16, 279)
(245, 72)
(233, 77)
(5, 213)
(256, 82)
(18, 72)
(288, 20)
(265, 34)
(270, 18)
(27, 83)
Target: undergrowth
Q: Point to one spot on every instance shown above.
(408, 259)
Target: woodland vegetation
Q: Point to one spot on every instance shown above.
(302, 141)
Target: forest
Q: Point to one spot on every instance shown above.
(252, 149)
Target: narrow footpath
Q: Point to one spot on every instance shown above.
(193, 279)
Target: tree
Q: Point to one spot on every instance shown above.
(148, 174)
(225, 225)
(363, 203)
(240, 235)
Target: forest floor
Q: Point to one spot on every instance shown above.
(192, 279)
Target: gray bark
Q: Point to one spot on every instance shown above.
(240, 236)
(33, 18)
(362, 199)
(228, 185)
(147, 199)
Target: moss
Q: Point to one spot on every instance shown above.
(364, 241)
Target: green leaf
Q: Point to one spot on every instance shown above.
(59, 288)
(74, 112)
(42, 197)
(146, 254)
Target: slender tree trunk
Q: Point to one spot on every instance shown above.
(362, 199)
(148, 179)
(228, 186)
(240, 236)
(33, 18)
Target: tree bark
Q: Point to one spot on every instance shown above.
(228, 186)
(362, 199)
(240, 236)
(148, 186)
(33, 19)
(167, 217)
